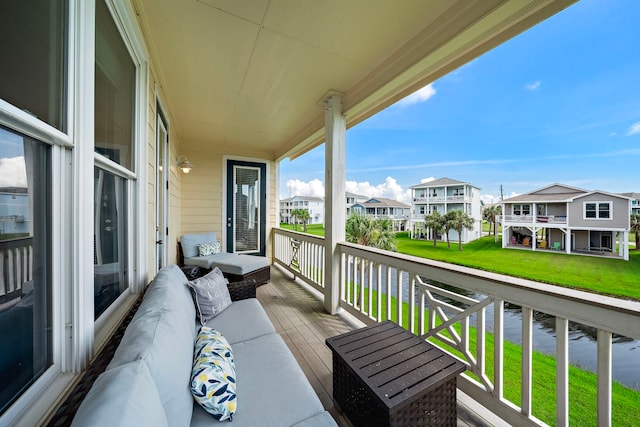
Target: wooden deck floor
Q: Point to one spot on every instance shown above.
(300, 319)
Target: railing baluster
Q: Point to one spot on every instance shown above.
(412, 302)
(604, 378)
(562, 372)
(388, 293)
(370, 286)
(399, 296)
(527, 353)
(379, 290)
(498, 348)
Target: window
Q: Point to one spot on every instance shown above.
(597, 210)
(114, 92)
(115, 106)
(522, 209)
(25, 286)
(33, 52)
(110, 239)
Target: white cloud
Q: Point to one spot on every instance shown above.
(13, 172)
(634, 129)
(421, 95)
(390, 189)
(534, 86)
(313, 188)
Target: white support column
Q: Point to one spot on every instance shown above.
(335, 203)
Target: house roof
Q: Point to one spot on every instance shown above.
(355, 196)
(634, 196)
(441, 182)
(307, 198)
(558, 193)
(382, 202)
(250, 77)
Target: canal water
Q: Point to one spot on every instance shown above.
(582, 338)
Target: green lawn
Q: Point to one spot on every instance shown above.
(606, 276)
(314, 229)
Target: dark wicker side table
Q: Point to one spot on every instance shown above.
(383, 375)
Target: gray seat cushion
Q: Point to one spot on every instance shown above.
(323, 419)
(272, 389)
(238, 264)
(243, 320)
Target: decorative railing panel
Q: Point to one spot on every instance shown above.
(301, 254)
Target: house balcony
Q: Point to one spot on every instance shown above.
(443, 199)
(466, 312)
(533, 219)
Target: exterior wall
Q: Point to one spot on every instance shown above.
(619, 207)
(174, 177)
(556, 235)
(202, 193)
(581, 239)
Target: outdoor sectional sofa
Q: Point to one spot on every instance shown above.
(235, 267)
(147, 382)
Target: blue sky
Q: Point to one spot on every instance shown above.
(558, 103)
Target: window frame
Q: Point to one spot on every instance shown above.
(597, 204)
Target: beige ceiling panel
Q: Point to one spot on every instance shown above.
(193, 131)
(285, 79)
(383, 25)
(202, 53)
(252, 11)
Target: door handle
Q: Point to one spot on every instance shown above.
(158, 242)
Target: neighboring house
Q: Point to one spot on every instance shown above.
(378, 207)
(444, 195)
(568, 219)
(352, 199)
(635, 202)
(14, 211)
(314, 205)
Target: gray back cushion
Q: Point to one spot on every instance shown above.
(162, 334)
(123, 396)
(190, 242)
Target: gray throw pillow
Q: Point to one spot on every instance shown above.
(210, 294)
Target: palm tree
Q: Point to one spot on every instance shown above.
(458, 219)
(365, 231)
(490, 214)
(635, 228)
(435, 222)
(295, 214)
(447, 223)
(304, 216)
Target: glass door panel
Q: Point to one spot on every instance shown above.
(246, 194)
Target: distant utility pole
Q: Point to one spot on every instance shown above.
(501, 193)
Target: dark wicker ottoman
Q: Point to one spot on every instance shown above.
(383, 375)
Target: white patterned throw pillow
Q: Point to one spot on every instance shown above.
(213, 378)
(207, 249)
(210, 294)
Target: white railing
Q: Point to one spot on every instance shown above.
(301, 254)
(441, 199)
(372, 279)
(456, 319)
(530, 219)
(16, 267)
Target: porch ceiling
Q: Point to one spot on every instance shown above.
(251, 74)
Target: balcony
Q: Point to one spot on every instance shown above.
(469, 321)
(443, 199)
(533, 219)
